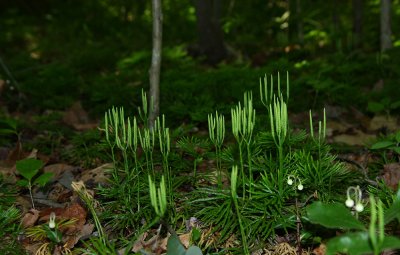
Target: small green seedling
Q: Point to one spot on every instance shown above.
(28, 169)
(389, 143)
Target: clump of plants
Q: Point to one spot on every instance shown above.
(256, 186)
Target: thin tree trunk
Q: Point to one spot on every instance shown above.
(386, 31)
(357, 23)
(300, 32)
(154, 71)
(211, 43)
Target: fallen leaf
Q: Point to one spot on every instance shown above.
(58, 170)
(359, 138)
(75, 211)
(97, 175)
(391, 175)
(185, 239)
(83, 234)
(320, 250)
(383, 121)
(59, 193)
(78, 118)
(30, 218)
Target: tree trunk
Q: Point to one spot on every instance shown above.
(386, 31)
(300, 31)
(211, 44)
(154, 71)
(357, 23)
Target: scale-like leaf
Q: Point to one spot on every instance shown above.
(333, 215)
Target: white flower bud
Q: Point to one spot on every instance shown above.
(349, 202)
(300, 187)
(289, 181)
(359, 207)
(52, 221)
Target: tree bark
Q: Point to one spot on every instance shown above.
(386, 31)
(300, 31)
(155, 67)
(211, 44)
(357, 23)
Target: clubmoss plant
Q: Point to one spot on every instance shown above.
(267, 93)
(243, 122)
(158, 197)
(234, 195)
(118, 134)
(216, 130)
(80, 189)
(165, 147)
(147, 142)
(279, 129)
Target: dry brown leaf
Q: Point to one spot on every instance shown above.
(85, 232)
(359, 138)
(320, 250)
(185, 239)
(383, 121)
(30, 218)
(9, 174)
(59, 193)
(57, 169)
(391, 175)
(97, 175)
(78, 118)
(75, 211)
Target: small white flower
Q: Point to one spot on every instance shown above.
(349, 202)
(300, 187)
(290, 181)
(359, 207)
(52, 221)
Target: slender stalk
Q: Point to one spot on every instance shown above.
(30, 193)
(235, 202)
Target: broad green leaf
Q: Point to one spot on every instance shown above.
(333, 215)
(194, 250)
(29, 167)
(43, 179)
(391, 242)
(382, 145)
(54, 235)
(396, 149)
(375, 107)
(196, 234)
(5, 131)
(174, 246)
(351, 243)
(23, 183)
(358, 243)
(394, 210)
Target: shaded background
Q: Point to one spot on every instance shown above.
(55, 53)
